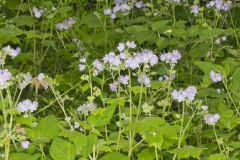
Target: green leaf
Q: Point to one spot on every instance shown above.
(187, 152)
(101, 118)
(24, 156)
(234, 83)
(217, 157)
(83, 144)
(92, 21)
(46, 130)
(137, 89)
(146, 154)
(114, 156)
(200, 51)
(160, 26)
(24, 20)
(10, 34)
(147, 124)
(62, 150)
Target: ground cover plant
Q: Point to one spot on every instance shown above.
(119, 80)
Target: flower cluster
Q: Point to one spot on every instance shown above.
(142, 57)
(219, 40)
(5, 76)
(195, 9)
(25, 79)
(123, 6)
(187, 94)
(211, 119)
(37, 12)
(65, 25)
(27, 105)
(144, 79)
(8, 50)
(171, 57)
(86, 108)
(113, 86)
(216, 77)
(220, 5)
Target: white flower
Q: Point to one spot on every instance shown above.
(37, 12)
(11, 52)
(211, 119)
(121, 47)
(76, 125)
(86, 108)
(82, 67)
(107, 11)
(205, 108)
(25, 144)
(131, 44)
(216, 77)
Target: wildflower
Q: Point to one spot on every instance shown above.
(86, 108)
(65, 25)
(224, 38)
(27, 79)
(8, 50)
(98, 65)
(195, 9)
(178, 95)
(171, 57)
(37, 12)
(107, 11)
(124, 79)
(83, 60)
(41, 81)
(144, 79)
(131, 44)
(211, 119)
(25, 144)
(82, 67)
(121, 47)
(113, 86)
(216, 77)
(226, 6)
(27, 105)
(218, 41)
(131, 63)
(5, 76)
(76, 125)
(204, 108)
(188, 94)
(139, 4)
(67, 119)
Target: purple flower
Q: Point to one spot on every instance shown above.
(216, 77)
(86, 108)
(5, 76)
(27, 105)
(144, 79)
(131, 63)
(171, 57)
(107, 11)
(188, 94)
(98, 65)
(37, 12)
(124, 79)
(195, 9)
(211, 119)
(226, 6)
(113, 86)
(25, 144)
